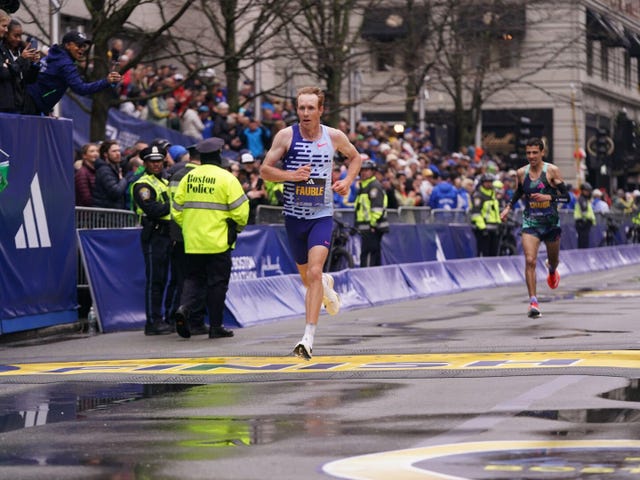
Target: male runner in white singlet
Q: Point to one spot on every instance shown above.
(306, 150)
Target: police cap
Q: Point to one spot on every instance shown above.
(161, 142)
(368, 164)
(210, 145)
(154, 153)
(586, 186)
(487, 177)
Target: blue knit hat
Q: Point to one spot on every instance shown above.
(176, 152)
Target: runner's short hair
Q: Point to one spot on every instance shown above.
(312, 91)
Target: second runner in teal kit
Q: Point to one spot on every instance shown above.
(301, 157)
(541, 187)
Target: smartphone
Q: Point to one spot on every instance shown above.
(33, 41)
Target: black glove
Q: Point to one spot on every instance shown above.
(232, 233)
(165, 197)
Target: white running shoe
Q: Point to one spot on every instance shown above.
(303, 350)
(330, 299)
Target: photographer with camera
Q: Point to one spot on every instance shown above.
(18, 65)
(59, 72)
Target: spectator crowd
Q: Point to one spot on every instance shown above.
(412, 170)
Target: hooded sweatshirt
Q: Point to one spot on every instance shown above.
(59, 72)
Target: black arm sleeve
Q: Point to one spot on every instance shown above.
(563, 194)
(517, 195)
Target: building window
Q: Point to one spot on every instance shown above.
(590, 57)
(508, 52)
(627, 70)
(383, 58)
(604, 62)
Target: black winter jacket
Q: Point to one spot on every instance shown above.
(109, 190)
(14, 75)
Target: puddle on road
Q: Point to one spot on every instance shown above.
(70, 401)
(111, 425)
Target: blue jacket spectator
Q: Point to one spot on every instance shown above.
(256, 138)
(59, 72)
(444, 195)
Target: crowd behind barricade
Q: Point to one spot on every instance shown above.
(411, 169)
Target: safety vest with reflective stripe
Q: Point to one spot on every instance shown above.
(206, 198)
(371, 205)
(159, 185)
(579, 214)
(486, 208)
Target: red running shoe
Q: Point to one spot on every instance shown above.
(534, 310)
(553, 279)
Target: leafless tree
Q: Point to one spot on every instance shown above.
(232, 36)
(322, 38)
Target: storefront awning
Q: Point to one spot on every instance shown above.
(603, 29)
(384, 24)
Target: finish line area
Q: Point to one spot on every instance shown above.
(501, 364)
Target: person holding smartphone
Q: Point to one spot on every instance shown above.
(19, 66)
(59, 72)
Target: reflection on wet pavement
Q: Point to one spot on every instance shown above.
(131, 427)
(68, 402)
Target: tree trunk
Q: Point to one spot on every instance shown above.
(99, 114)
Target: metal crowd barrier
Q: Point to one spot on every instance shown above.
(450, 216)
(414, 215)
(87, 217)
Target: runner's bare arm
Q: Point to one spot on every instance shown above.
(342, 144)
(270, 172)
(555, 179)
(517, 194)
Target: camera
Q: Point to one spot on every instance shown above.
(33, 41)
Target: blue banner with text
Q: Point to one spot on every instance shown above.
(37, 230)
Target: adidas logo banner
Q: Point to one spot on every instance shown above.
(38, 251)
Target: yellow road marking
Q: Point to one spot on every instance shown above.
(629, 359)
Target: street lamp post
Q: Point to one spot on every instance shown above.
(423, 96)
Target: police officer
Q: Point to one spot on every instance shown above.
(211, 207)
(583, 215)
(151, 200)
(371, 215)
(485, 216)
(178, 256)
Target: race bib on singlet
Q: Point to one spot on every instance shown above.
(309, 193)
(540, 209)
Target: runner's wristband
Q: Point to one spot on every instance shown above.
(516, 196)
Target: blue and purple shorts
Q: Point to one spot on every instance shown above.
(303, 234)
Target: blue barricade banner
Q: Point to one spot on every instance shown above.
(120, 126)
(261, 300)
(505, 270)
(577, 261)
(115, 270)
(470, 273)
(37, 230)
(429, 278)
(424, 243)
(351, 295)
(262, 252)
(119, 299)
(381, 285)
(403, 245)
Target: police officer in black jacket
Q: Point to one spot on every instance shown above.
(151, 198)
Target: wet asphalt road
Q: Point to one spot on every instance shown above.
(286, 423)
